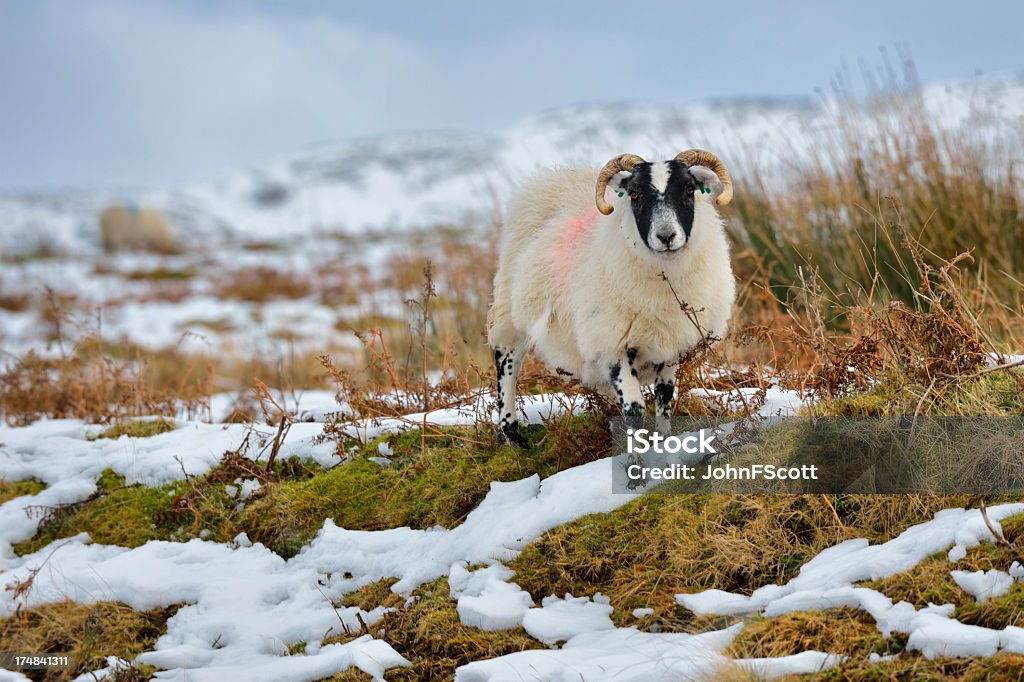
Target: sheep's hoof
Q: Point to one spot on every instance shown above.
(509, 435)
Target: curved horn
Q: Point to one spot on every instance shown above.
(622, 162)
(699, 157)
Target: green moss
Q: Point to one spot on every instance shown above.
(423, 487)
(8, 491)
(127, 517)
(438, 484)
(993, 394)
(138, 428)
(373, 595)
(109, 481)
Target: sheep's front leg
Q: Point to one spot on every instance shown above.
(622, 376)
(664, 394)
(507, 362)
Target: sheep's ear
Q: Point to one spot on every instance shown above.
(619, 180)
(709, 181)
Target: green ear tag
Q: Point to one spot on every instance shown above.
(620, 194)
(703, 189)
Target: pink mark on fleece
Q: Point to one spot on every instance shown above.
(575, 230)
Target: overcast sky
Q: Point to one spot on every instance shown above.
(96, 93)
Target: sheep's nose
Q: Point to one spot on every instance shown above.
(666, 239)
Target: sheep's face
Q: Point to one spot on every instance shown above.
(662, 195)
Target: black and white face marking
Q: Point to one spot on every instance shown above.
(661, 195)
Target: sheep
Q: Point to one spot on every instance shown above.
(616, 293)
(131, 227)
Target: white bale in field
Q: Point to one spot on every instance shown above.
(134, 228)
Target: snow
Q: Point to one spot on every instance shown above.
(984, 585)
(451, 178)
(562, 619)
(827, 581)
(244, 606)
(803, 663)
(642, 612)
(58, 450)
(249, 486)
(633, 656)
(334, 197)
(485, 599)
(114, 665)
(18, 523)
(622, 654)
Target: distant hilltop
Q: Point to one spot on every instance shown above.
(411, 180)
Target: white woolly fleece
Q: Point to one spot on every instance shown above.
(581, 288)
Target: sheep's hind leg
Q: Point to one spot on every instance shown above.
(507, 362)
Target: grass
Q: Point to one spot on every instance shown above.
(261, 284)
(640, 555)
(138, 428)
(422, 488)
(956, 191)
(89, 631)
(15, 303)
(160, 274)
(8, 491)
(644, 553)
(430, 635)
(103, 382)
(859, 297)
(930, 582)
(995, 394)
(998, 668)
(849, 632)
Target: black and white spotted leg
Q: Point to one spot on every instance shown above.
(622, 376)
(664, 394)
(507, 362)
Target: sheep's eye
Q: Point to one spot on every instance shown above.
(634, 195)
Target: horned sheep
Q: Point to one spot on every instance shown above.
(612, 276)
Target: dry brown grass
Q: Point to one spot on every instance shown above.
(849, 632)
(959, 189)
(15, 303)
(90, 631)
(261, 284)
(646, 552)
(102, 382)
(430, 634)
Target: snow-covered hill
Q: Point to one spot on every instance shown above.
(420, 179)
